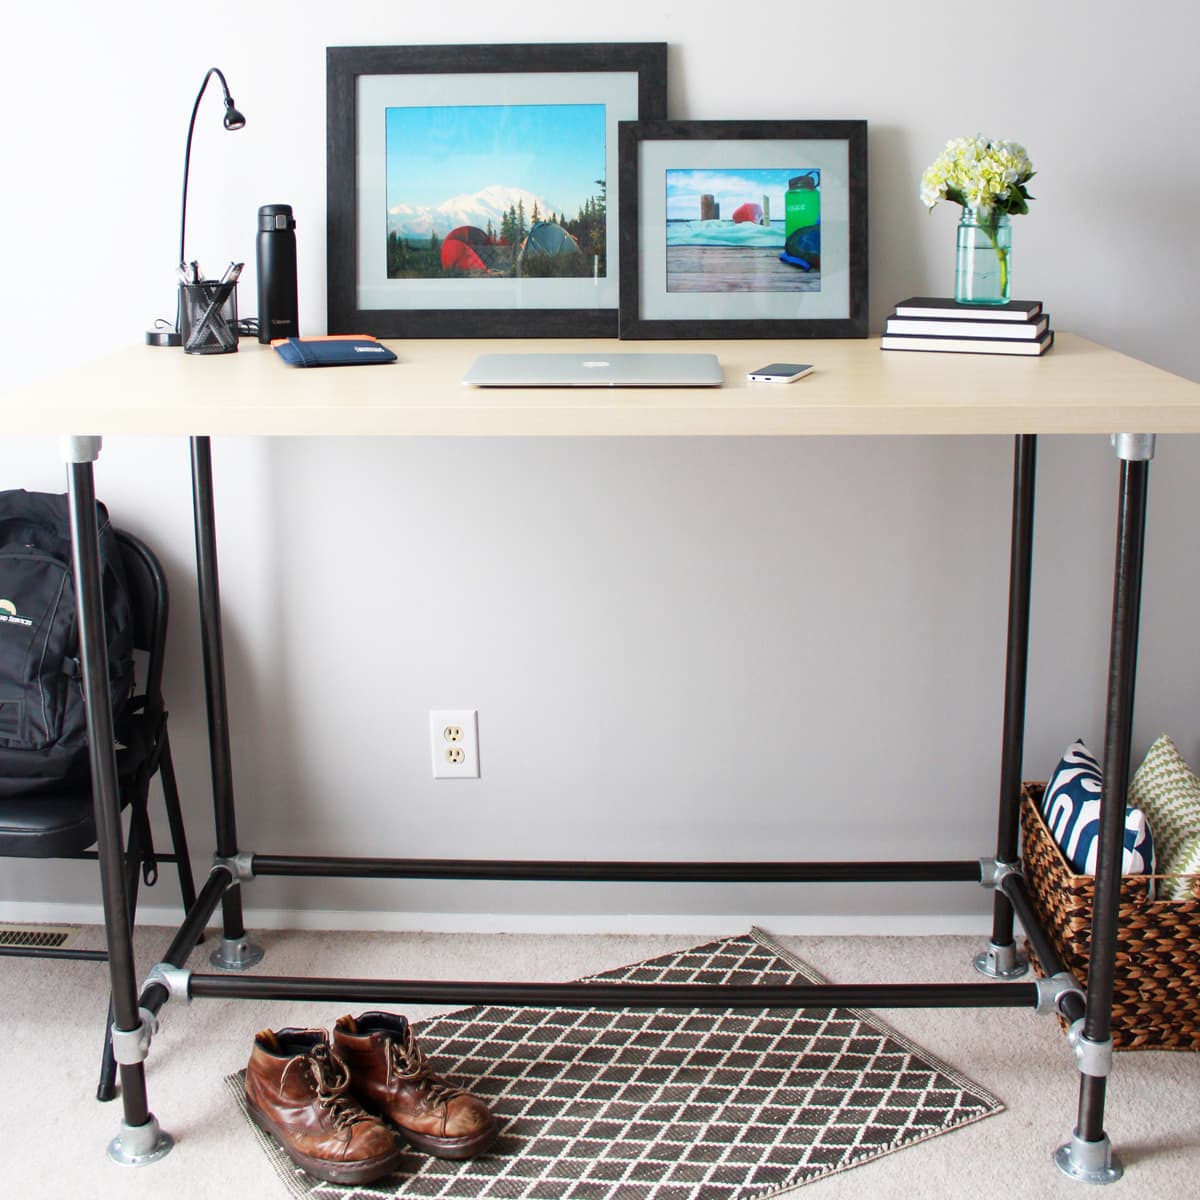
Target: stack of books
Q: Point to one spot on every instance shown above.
(933, 323)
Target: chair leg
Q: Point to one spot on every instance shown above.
(106, 1089)
(183, 864)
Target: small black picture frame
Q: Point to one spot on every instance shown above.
(382, 280)
(743, 229)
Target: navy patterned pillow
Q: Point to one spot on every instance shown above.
(1071, 806)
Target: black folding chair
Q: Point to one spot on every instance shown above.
(63, 824)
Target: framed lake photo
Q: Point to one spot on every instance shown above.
(472, 190)
(743, 229)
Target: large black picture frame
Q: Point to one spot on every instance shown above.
(480, 70)
(665, 294)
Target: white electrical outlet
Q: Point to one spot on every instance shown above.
(454, 740)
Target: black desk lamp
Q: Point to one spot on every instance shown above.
(233, 120)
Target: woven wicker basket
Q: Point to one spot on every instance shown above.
(1156, 995)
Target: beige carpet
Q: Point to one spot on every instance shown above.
(57, 1133)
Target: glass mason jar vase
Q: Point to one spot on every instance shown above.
(984, 268)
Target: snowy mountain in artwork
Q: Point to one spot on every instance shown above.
(488, 205)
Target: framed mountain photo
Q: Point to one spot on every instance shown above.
(472, 190)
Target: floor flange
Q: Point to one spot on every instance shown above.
(1089, 1162)
(139, 1145)
(1001, 962)
(235, 954)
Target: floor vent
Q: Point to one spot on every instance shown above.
(44, 937)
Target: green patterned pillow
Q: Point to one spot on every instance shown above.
(1186, 862)
(1167, 790)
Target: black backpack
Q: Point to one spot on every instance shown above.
(43, 729)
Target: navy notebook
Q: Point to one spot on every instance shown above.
(332, 351)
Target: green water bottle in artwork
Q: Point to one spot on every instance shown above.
(801, 204)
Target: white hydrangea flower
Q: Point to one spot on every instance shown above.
(980, 173)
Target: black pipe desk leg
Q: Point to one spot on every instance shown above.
(140, 1139)
(235, 953)
(1001, 960)
(106, 1089)
(1088, 1156)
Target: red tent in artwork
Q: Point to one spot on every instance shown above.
(468, 248)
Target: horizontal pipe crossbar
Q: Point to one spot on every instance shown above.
(622, 995)
(50, 952)
(967, 871)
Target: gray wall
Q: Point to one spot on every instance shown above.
(678, 648)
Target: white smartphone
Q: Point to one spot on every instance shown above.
(780, 373)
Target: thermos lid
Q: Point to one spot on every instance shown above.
(275, 216)
(801, 182)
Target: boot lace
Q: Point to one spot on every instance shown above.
(407, 1063)
(331, 1078)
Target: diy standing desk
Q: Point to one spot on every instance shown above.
(1078, 387)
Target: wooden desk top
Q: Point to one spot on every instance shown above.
(1078, 387)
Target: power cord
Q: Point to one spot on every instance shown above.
(164, 332)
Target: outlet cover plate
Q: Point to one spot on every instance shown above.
(454, 743)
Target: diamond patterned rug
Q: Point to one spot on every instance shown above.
(672, 1104)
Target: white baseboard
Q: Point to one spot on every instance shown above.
(902, 925)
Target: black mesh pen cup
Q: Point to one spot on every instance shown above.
(208, 317)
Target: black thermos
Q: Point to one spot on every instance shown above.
(278, 311)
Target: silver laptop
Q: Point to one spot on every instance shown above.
(596, 369)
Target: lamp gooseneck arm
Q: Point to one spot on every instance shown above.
(233, 120)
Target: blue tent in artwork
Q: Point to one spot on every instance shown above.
(546, 239)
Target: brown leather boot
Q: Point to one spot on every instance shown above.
(297, 1089)
(390, 1075)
